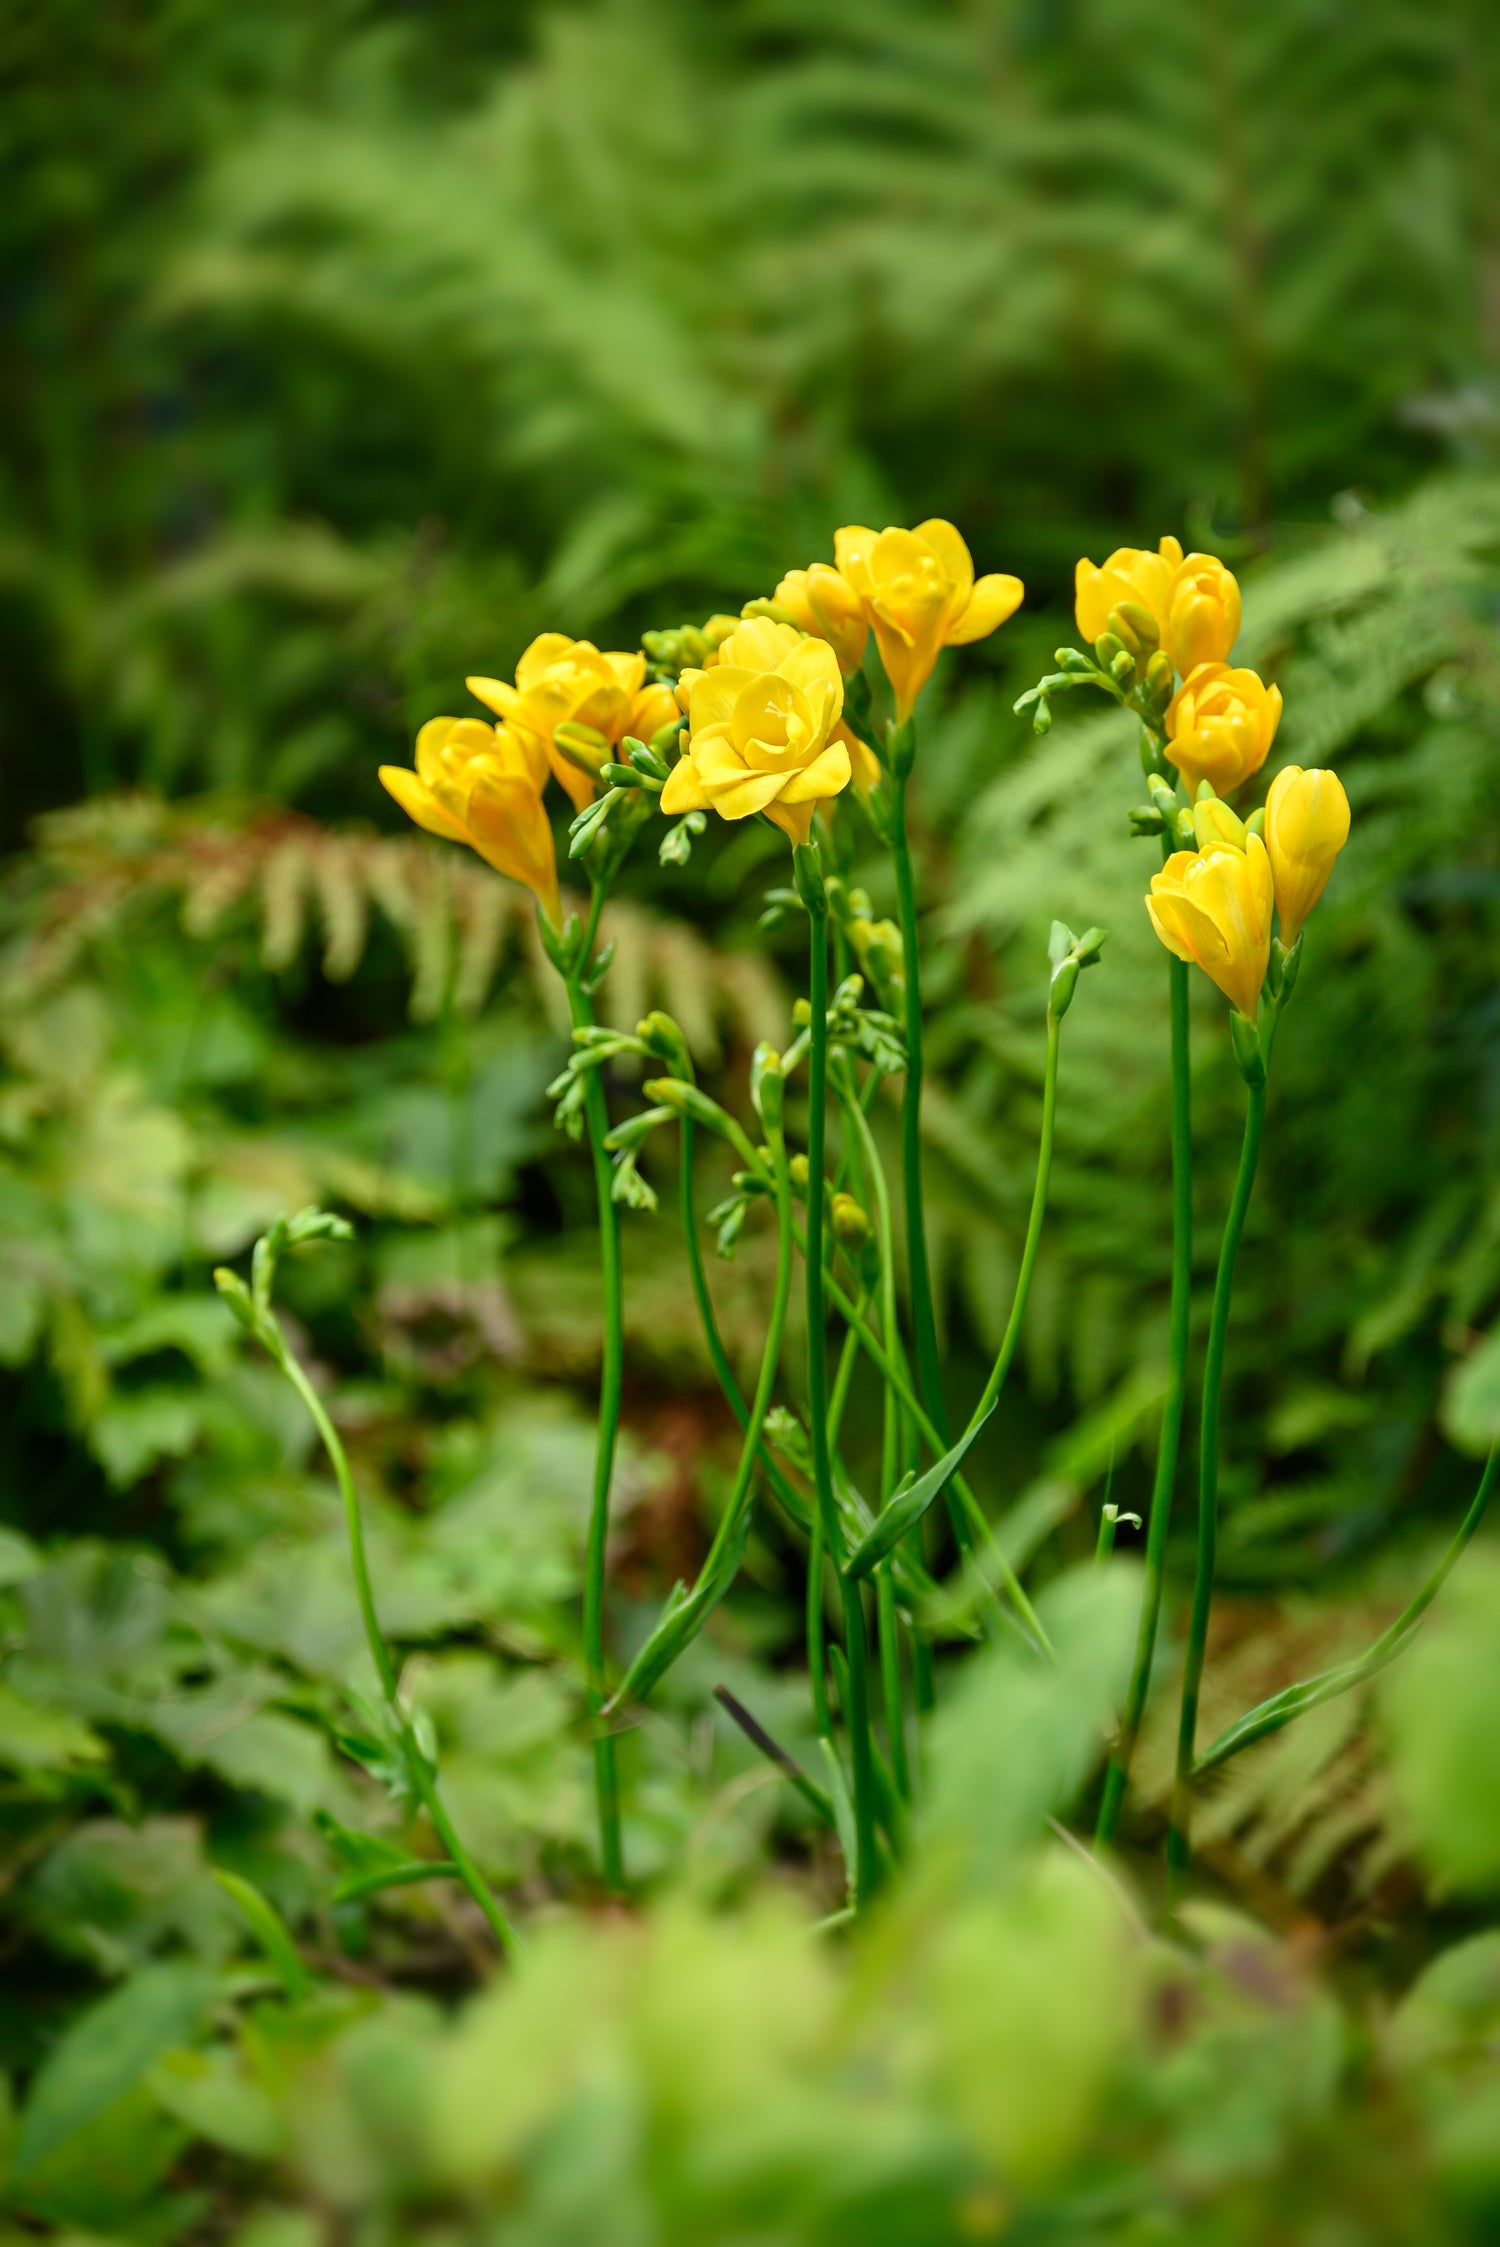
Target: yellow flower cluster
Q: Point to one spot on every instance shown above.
(1214, 905)
(765, 725)
(482, 784)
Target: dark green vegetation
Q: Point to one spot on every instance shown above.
(349, 347)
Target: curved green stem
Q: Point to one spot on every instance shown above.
(1295, 1700)
(1117, 1776)
(416, 1762)
(611, 1381)
(857, 1711)
(924, 1325)
(1012, 1334)
(871, 1174)
(770, 1360)
(1208, 1488)
(977, 1522)
(794, 1505)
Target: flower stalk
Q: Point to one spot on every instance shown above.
(1179, 1832)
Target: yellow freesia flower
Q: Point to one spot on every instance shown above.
(823, 602)
(569, 682)
(1132, 573)
(1307, 825)
(1203, 614)
(760, 730)
(1220, 726)
(920, 595)
(1214, 909)
(1194, 600)
(478, 784)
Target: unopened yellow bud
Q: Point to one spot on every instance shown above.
(1214, 822)
(850, 1224)
(1221, 725)
(1215, 910)
(1203, 613)
(1307, 825)
(821, 601)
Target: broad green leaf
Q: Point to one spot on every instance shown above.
(270, 1930)
(35, 1739)
(105, 2052)
(1439, 1703)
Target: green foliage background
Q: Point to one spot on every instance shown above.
(352, 345)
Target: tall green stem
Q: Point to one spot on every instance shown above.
(611, 1380)
(1019, 1299)
(1117, 1777)
(871, 1173)
(857, 1714)
(770, 1360)
(713, 1341)
(1208, 1487)
(924, 1325)
(385, 1669)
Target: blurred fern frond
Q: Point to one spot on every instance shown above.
(102, 862)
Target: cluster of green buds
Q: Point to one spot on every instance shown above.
(687, 647)
(656, 1038)
(252, 1305)
(1125, 663)
(630, 789)
(1069, 955)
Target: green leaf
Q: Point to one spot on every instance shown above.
(105, 2053)
(33, 1739)
(1439, 1706)
(1471, 1401)
(270, 1931)
(908, 1505)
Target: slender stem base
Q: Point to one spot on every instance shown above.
(1208, 1490)
(461, 1863)
(924, 1325)
(611, 1379)
(857, 1711)
(1117, 1777)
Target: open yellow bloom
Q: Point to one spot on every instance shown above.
(920, 595)
(761, 723)
(823, 602)
(1220, 726)
(569, 682)
(1214, 908)
(1203, 614)
(1307, 825)
(1194, 600)
(1132, 573)
(478, 784)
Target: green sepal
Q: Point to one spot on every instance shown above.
(1245, 1038)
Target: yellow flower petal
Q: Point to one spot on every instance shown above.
(419, 803)
(992, 603)
(953, 555)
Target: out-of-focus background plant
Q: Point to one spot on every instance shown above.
(351, 346)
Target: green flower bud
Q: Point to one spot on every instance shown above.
(767, 1085)
(1160, 679)
(236, 1295)
(799, 1171)
(1135, 628)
